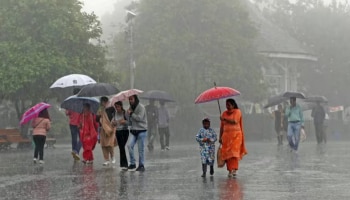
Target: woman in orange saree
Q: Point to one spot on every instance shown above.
(232, 137)
(88, 133)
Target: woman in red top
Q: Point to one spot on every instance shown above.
(88, 133)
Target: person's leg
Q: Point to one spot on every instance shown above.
(317, 132)
(161, 138)
(42, 140)
(232, 166)
(204, 169)
(131, 145)
(74, 138)
(167, 137)
(297, 129)
(141, 147)
(105, 153)
(324, 133)
(278, 137)
(290, 135)
(78, 147)
(121, 146)
(111, 153)
(36, 149)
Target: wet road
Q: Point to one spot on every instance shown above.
(267, 172)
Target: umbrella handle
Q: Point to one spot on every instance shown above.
(218, 101)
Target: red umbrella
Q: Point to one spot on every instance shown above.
(33, 112)
(216, 93)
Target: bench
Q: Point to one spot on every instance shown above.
(13, 136)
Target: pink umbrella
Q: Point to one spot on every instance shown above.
(124, 95)
(33, 112)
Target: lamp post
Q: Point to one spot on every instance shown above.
(129, 20)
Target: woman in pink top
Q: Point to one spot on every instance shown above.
(41, 125)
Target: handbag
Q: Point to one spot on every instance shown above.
(221, 162)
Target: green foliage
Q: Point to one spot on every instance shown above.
(42, 40)
(184, 46)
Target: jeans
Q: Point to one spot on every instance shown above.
(39, 141)
(140, 139)
(76, 144)
(293, 134)
(122, 138)
(164, 132)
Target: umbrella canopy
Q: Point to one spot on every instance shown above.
(33, 112)
(216, 93)
(320, 99)
(75, 103)
(275, 100)
(72, 80)
(98, 89)
(157, 95)
(124, 95)
(298, 95)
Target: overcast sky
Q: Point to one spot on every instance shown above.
(99, 7)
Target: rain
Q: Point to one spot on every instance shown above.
(174, 99)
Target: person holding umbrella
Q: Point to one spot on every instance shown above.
(163, 126)
(41, 125)
(232, 137)
(138, 118)
(295, 123)
(152, 120)
(319, 115)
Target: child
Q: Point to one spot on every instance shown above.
(206, 138)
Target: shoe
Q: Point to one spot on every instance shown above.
(231, 174)
(203, 175)
(35, 160)
(89, 162)
(113, 161)
(84, 161)
(124, 168)
(75, 156)
(132, 168)
(106, 163)
(211, 170)
(41, 162)
(141, 168)
(167, 148)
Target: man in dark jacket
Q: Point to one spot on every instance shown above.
(319, 114)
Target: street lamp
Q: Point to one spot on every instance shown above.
(129, 20)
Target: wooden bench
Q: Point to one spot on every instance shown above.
(13, 136)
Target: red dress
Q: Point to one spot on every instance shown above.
(88, 134)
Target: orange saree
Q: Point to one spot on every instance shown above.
(232, 137)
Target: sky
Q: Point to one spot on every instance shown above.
(99, 7)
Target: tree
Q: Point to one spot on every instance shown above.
(325, 29)
(184, 46)
(41, 40)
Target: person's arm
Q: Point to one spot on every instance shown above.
(221, 130)
(138, 114)
(214, 138)
(287, 111)
(199, 137)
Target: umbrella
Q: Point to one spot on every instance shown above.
(97, 89)
(33, 112)
(75, 103)
(320, 99)
(294, 94)
(275, 100)
(124, 95)
(216, 93)
(157, 95)
(72, 80)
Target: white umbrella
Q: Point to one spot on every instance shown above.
(72, 80)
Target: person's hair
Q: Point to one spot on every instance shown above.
(76, 91)
(137, 101)
(104, 99)
(205, 120)
(119, 103)
(233, 103)
(44, 114)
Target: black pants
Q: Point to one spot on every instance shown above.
(39, 141)
(320, 133)
(164, 132)
(122, 138)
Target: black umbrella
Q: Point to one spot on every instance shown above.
(275, 100)
(98, 89)
(298, 95)
(75, 103)
(157, 95)
(320, 99)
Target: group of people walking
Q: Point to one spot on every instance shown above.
(290, 120)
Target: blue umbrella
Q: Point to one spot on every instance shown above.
(75, 103)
